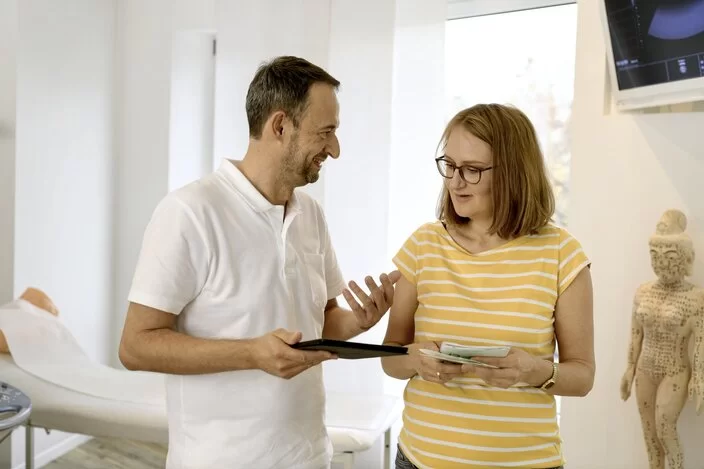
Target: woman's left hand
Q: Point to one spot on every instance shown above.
(518, 366)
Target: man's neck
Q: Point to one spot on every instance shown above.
(265, 176)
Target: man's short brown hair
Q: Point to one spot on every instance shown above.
(521, 190)
(282, 84)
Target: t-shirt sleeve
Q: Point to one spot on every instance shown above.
(406, 259)
(572, 259)
(173, 261)
(334, 280)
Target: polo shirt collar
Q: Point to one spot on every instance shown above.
(253, 197)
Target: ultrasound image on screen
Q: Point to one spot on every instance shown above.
(656, 41)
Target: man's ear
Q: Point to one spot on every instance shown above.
(277, 123)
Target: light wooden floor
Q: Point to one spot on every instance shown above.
(111, 453)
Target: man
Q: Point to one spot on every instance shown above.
(235, 268)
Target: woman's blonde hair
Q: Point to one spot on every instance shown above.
(521, 191)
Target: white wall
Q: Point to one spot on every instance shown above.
(249, 33)
(356, 185)
(8, 70)
(143, 64)
(192, 107)
(143, 96)
(63, 195)
(626, 170)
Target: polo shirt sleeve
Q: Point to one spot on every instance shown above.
(334, 280)
(173, 262)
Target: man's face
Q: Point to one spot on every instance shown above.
(314, 139)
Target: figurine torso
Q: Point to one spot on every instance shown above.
(665, 317)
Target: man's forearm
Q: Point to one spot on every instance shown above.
(168, 351)
(340, 324)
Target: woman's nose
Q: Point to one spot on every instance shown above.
(456, 180)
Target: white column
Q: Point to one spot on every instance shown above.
(8, 86)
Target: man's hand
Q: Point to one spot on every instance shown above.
(374, 305)
(273, 354)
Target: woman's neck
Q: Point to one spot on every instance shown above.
(475, 236)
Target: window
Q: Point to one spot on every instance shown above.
(524, 58)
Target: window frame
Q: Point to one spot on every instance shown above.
(458, 9)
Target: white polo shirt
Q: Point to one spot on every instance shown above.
(224, 259)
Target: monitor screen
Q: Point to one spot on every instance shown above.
(656, 41)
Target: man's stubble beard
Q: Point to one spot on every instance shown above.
(295, 168)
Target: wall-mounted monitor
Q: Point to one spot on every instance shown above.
(655, 51)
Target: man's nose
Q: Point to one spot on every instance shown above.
(333, 147)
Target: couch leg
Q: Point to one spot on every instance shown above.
(28, 446)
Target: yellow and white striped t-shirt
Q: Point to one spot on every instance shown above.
(503, 296)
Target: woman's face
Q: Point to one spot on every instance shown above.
(470, 200)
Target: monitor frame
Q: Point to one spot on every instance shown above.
(661, 94)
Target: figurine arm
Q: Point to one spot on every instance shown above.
(633, 351)
(696, 383)
(636, 337)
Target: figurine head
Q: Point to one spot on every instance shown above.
(671, 249)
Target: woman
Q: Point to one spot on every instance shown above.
(492, 271)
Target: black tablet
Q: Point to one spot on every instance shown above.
(351, 350)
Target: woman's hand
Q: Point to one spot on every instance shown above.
(518, 366)
(431, 369)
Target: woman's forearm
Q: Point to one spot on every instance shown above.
(400, 366)
(574, 378)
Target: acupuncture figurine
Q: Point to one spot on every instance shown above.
(667, 313)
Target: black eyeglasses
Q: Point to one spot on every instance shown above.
(469, 174)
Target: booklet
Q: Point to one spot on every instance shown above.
(466, 351)
(453, 359)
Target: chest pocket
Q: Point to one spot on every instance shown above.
(315, 269)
